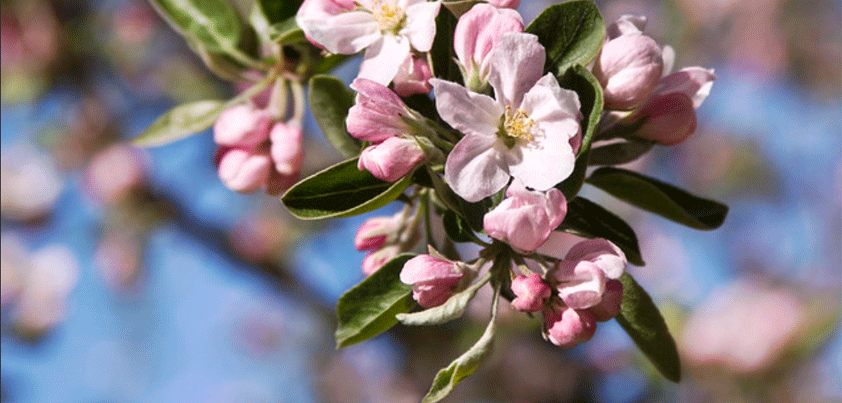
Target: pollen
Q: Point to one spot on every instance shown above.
(517, 124)
(388, 15)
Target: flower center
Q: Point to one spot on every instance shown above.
(388, 15)
(516, 124)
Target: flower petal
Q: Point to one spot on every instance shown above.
(475, 168)
(515, 65)
(466, 111)
(420, 26)
(345, 33)
(384, 58)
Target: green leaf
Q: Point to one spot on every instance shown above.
(579, 79)
(278, 10)
(660, 198)
(369, 308)
(571, 32)
(442, 54)
(180, 122)
(619, 153)
(341, 190)
(447, 378)
(593, 221)
(330, 100)
(286, 32)
(213, 23)
(274, 21)
(641, 319)
(456, 227)
(453, 308)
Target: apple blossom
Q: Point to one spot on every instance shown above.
(376, 259)
(388, 30)
(611, 302)
(567, 327)
(413, 77)
(376, 232)
(244, 170)
(474, 37)
(378, 113)
(628, 68)
(526, 218)
(242, 125)
(392, 159)
(524, 132)
(287, 149)
(531, 291)
(433, 279)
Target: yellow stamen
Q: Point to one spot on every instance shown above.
(518, 124)
(388, 15)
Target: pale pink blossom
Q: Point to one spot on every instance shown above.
(376, 259)
(580, 284)
(244, 170)
(376, 232)
(474, 37)
(607, 256)
(433, 280)
(625, 25)
(392, 159)
(531, 292)
(243, 126)
(524, 132)
(388, 30)
(567, 327)
(413, 77)
(628, 68)
(526, 218)
(378, 113)
(611, 302)
(287, 148)
(667, 119)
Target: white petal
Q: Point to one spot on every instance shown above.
(545, 161)
(466, 111)
(475, 168)
(383, 59)
(421, 24)
(346, 33)
(516, 64)
(547, 101)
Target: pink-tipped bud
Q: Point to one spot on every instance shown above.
(695, 82)
(375, 260)
(667, 119)
(475, 35)
(628, 68)
(287, 148)
(607, 256)
(626, 24)
(244, 170)
(612, 300)
(242, 126)
(413, 77)
(433, 280)
(525, 218)
(567, 327)
(376, 232)
(377, 114)
(531, 292)
(504, 3)
(391, 159)
(580, 284)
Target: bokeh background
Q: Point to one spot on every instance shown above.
(132, 275)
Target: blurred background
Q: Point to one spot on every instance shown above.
(134, 275)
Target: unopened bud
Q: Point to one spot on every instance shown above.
(433, 280)
(531, 292)
(242, 126)
(412, 77)
(391, 159)
(567, 327)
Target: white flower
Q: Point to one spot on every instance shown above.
(386, 29)
(524, 133)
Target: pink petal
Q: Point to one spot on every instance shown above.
(466, 111)
(516, 64)
(383, 58)
(420, 26)
(475, 168)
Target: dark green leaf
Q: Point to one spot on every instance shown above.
(660, 198)
(369, 308)
(341, 191)
(593, 221)
(278, 10)
(453, 308)
(579, 79)
(456, 227)
(641, 319)
(180, 122)
(286, 32)
(467, 363)
(571, 32)
(330, 100)
(619, 153)
(442, 53)
(213, 23)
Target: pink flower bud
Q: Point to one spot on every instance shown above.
(412, 78)
(611, 301)
(378, 113)
(376, 232)
(242, 126)
(628, 68)
(580, 284)
(287, 148)
(607, 256)
(626, 24)
(667, 119)
(244, 170)
(525, 218)
(567, 327)
(433, 280)
(375, 260)
(695, 82)
(391, 159)
(475, 35)
(504, 3)
(531, 292)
